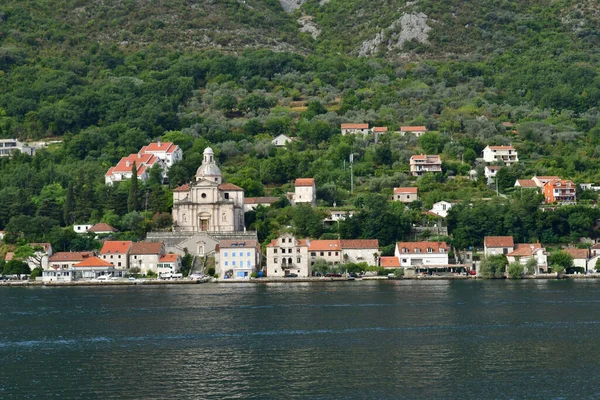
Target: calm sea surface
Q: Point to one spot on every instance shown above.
(351, 340)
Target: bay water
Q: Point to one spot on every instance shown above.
(342, 340)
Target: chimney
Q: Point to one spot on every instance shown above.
(127, 163)
(158, 143)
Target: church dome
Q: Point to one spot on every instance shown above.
(209, 169)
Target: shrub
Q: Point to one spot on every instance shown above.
(211, 271)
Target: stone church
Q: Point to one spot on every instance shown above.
(208, 204)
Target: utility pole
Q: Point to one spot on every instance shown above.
(351, 174)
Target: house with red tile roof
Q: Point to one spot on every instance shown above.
(355, 128)
(168, 152)
(424, 253)
(389, 262)
(406, 194)
(415, 130)
(496, 245)
(116, 252)
(163, 154)
(64, 260)
(526, 184)
(561, 191)
(305, 192)
(360, 250)
(102, 228)
(94, 267)
(500, 154)
(580, 257)
(523, 252)
(145, 256)
(288, 255)
(421, 164)
(169, 263)
(250, 203)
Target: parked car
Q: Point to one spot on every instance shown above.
(332, 275)
(353, 275)
(472, 272)
(291, 276)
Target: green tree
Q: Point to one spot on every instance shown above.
(515, 270)
(560, 261)
(69, 205)
(531, 266)
(493, 267)
(132, 200)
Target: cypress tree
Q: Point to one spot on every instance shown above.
(132, 200)
(69, 205)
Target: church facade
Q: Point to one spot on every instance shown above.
(208, 204)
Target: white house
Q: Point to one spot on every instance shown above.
(146, 256)
(82, 228)
(441, 208)
(360, 250)
(415, 130)
(506, 154)
(116, 252)
(168, 152)
(406, 194)
(496, 245)
(65, 260)
(355, 128)
(334, 216)
(102, 228)
(523, 252)
(237, 259)
(422, 163)
(287, 255)
(250, 203)
(169, 263)
(305, 191)
(421, 253)
(490, 172)
(281, 140)
(580, 258)
(9, 146)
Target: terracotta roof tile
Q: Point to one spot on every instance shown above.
(417, 128)
(360, 244)
(230, 186)
(146, 248)
(324, 245)
(498, 241)
(524, 249)
(380, 129)
(93, 262)
(355, 126)
(304, 182)
(70, 256)
(182, 188)
(169, 258)
(422, 246)
(501, 147)
(115, 247)
(527, 183)
(400, 190)
(260, 200)
(578, 253)
(389, 262)
(232, 243)
(102, 227)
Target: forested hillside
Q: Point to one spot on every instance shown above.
(106, 77)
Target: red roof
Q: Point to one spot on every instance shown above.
(355, 126)
(102, 227)
(304, 182)
(260, 200)
(146, 248)
(157, 147)
(389, 262)
(182, 188)
(239, 243)
(141, 162)
(560, 183)
(422, 246)
(380, 129)
(70, 256)
(501, 147)
(578, 254)
(324, 245)
(406, 190)
(115, 247)
(360, 244)
(418, 128)
(498, 241)
(45, 246)
(230, 186)
(528, 183)
(93, 262)
(169, 258)
(524, 249)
